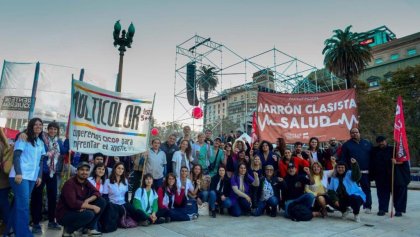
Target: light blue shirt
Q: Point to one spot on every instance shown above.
(29, 159)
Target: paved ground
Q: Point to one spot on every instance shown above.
(372, 225)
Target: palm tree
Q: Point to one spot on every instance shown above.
(345, 56)
(207, 82)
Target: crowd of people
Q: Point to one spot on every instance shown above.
(177, 179)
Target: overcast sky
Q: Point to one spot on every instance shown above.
(79, 33)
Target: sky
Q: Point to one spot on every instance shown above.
(78, 33)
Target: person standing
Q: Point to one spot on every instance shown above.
(208, 139)
(381, 172)
(5, 157)
(216, 158)
(52, 164)
(80, 204)
(169, 147)
(182, 158)
(25, 173)
(187, 136)
(359, 149)
(156, 164)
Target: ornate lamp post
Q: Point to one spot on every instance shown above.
(124, 41)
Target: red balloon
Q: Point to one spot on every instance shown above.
(154, 132)
(197, 113)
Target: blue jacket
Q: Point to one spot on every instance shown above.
(360, 151)
(351, 186)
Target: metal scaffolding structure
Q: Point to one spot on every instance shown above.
(290, 75)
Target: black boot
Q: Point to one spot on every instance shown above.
(213, 213)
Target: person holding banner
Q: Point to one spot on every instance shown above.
(359, 149)
(25, 173)
(401, 181)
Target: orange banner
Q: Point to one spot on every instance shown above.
(298, 117)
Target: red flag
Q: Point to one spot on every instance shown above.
(254, 135)
(400, 137)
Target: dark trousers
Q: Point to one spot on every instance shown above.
(4, 204)
(241, 206)
(365, 185)
(400, 198)
(178, 214)
(74, 220)
(383, 190)
(37, 199)
(353, 201)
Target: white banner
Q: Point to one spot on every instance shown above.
(108, 122)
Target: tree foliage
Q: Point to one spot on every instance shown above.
(345, 56)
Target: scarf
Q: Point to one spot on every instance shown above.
(53, 152)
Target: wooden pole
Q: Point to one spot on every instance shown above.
(392, 184)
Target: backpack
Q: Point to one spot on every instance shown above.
(126, 221)
(299, 212)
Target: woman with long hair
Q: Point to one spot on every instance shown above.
(241, 199)
(171, 198)
(318, 155)
(319, 188)
(200, 183)
(229, 160)
(220, 190)
(265, 152)
(25, 173)
(52, 165)
(146, 203)
(182, 157)
(280, 147)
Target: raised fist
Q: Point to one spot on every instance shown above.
(353, 161)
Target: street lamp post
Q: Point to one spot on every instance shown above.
(124, 41)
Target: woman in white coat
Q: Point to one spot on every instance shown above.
(182, 158)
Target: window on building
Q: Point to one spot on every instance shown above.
(378, 61)
(395, 56)
(373, 81)
(411, 52)
(373, 84)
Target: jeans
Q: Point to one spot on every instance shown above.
(4, 204)
(19, 217)
(272, 202)
(365, 185)
(204, 196)
(306, 199)
(241, 206)
(178, 214)
(74, 220)
(227, 203)
(37, 200)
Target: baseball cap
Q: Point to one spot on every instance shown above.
(291, 165)
(83, 164)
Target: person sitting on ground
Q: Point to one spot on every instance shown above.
(344, 191)
(293, 187)
(241, 199)
(319, 188)
(298, 162)
(80, 204)
(146, 203)
(268, 193)
(171, 198)
(220, 190)
(201, 184)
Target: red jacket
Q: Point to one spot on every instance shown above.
(72, 196)
(299, 164)
(179, 197)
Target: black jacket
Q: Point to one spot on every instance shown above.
(225, 185)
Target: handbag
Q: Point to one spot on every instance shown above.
(6, 161)
(126, 221)
(203, 209)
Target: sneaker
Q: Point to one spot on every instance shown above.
(368, 211)
(329, 209)
(145, 223)
(357, 218)
(160, 220)
(398, 214)
(381, 213)
(54, 226)
(194, 217)
(345, 214)
(94, 233)
(36, 230)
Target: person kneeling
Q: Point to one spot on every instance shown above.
(268, 191)
(146, 203)
(344, 191)
(80, 204)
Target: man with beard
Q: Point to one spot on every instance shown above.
(80, 204)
